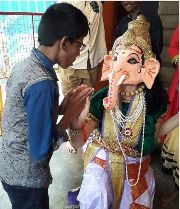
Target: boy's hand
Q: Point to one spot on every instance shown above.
(71, 96)
(63, 104)
(73, 104)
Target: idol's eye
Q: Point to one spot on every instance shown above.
(114, 58)
(132, 61)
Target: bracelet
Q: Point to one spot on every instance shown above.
(90, 117)
(74, 132)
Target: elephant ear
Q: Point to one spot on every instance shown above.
(152, 67)
(106, 69)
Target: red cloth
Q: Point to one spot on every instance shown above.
(173, 48)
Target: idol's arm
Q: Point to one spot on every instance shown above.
(168, 125)
(78, 137)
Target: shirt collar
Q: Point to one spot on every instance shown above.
(45, 62)
(43, 59)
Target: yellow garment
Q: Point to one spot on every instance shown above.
(170, 153)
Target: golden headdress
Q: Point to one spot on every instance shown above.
(138, 34)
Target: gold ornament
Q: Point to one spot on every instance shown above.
(132, 93)
(138, 34)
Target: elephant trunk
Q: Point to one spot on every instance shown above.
(111, 101)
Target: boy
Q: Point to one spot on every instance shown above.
(30, 134)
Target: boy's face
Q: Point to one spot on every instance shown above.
(130, 6)
(69, 51)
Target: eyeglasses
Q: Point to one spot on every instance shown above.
(82, 46)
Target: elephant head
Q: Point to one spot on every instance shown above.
(127, 66)
(131, 62)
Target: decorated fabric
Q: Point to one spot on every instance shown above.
(72, 198)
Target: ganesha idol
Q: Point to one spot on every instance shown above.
(118, 130)
(131, 61)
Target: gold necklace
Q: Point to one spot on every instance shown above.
(132, 93)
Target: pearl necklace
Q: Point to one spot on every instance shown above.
(122, 119)
(116, 122)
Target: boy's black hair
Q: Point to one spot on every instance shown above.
(59, 20)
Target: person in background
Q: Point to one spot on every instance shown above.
(134, 8)
(168, 126)
(170, 141)
(173, 90)
(84, 69)
(30, 133)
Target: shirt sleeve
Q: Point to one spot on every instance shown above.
(39, 101)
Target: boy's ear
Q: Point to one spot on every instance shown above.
(64, 42)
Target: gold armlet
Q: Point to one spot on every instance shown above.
(88, 118)
(91, 117)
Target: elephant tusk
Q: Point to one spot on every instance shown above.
(121, 79)
(111, 74)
